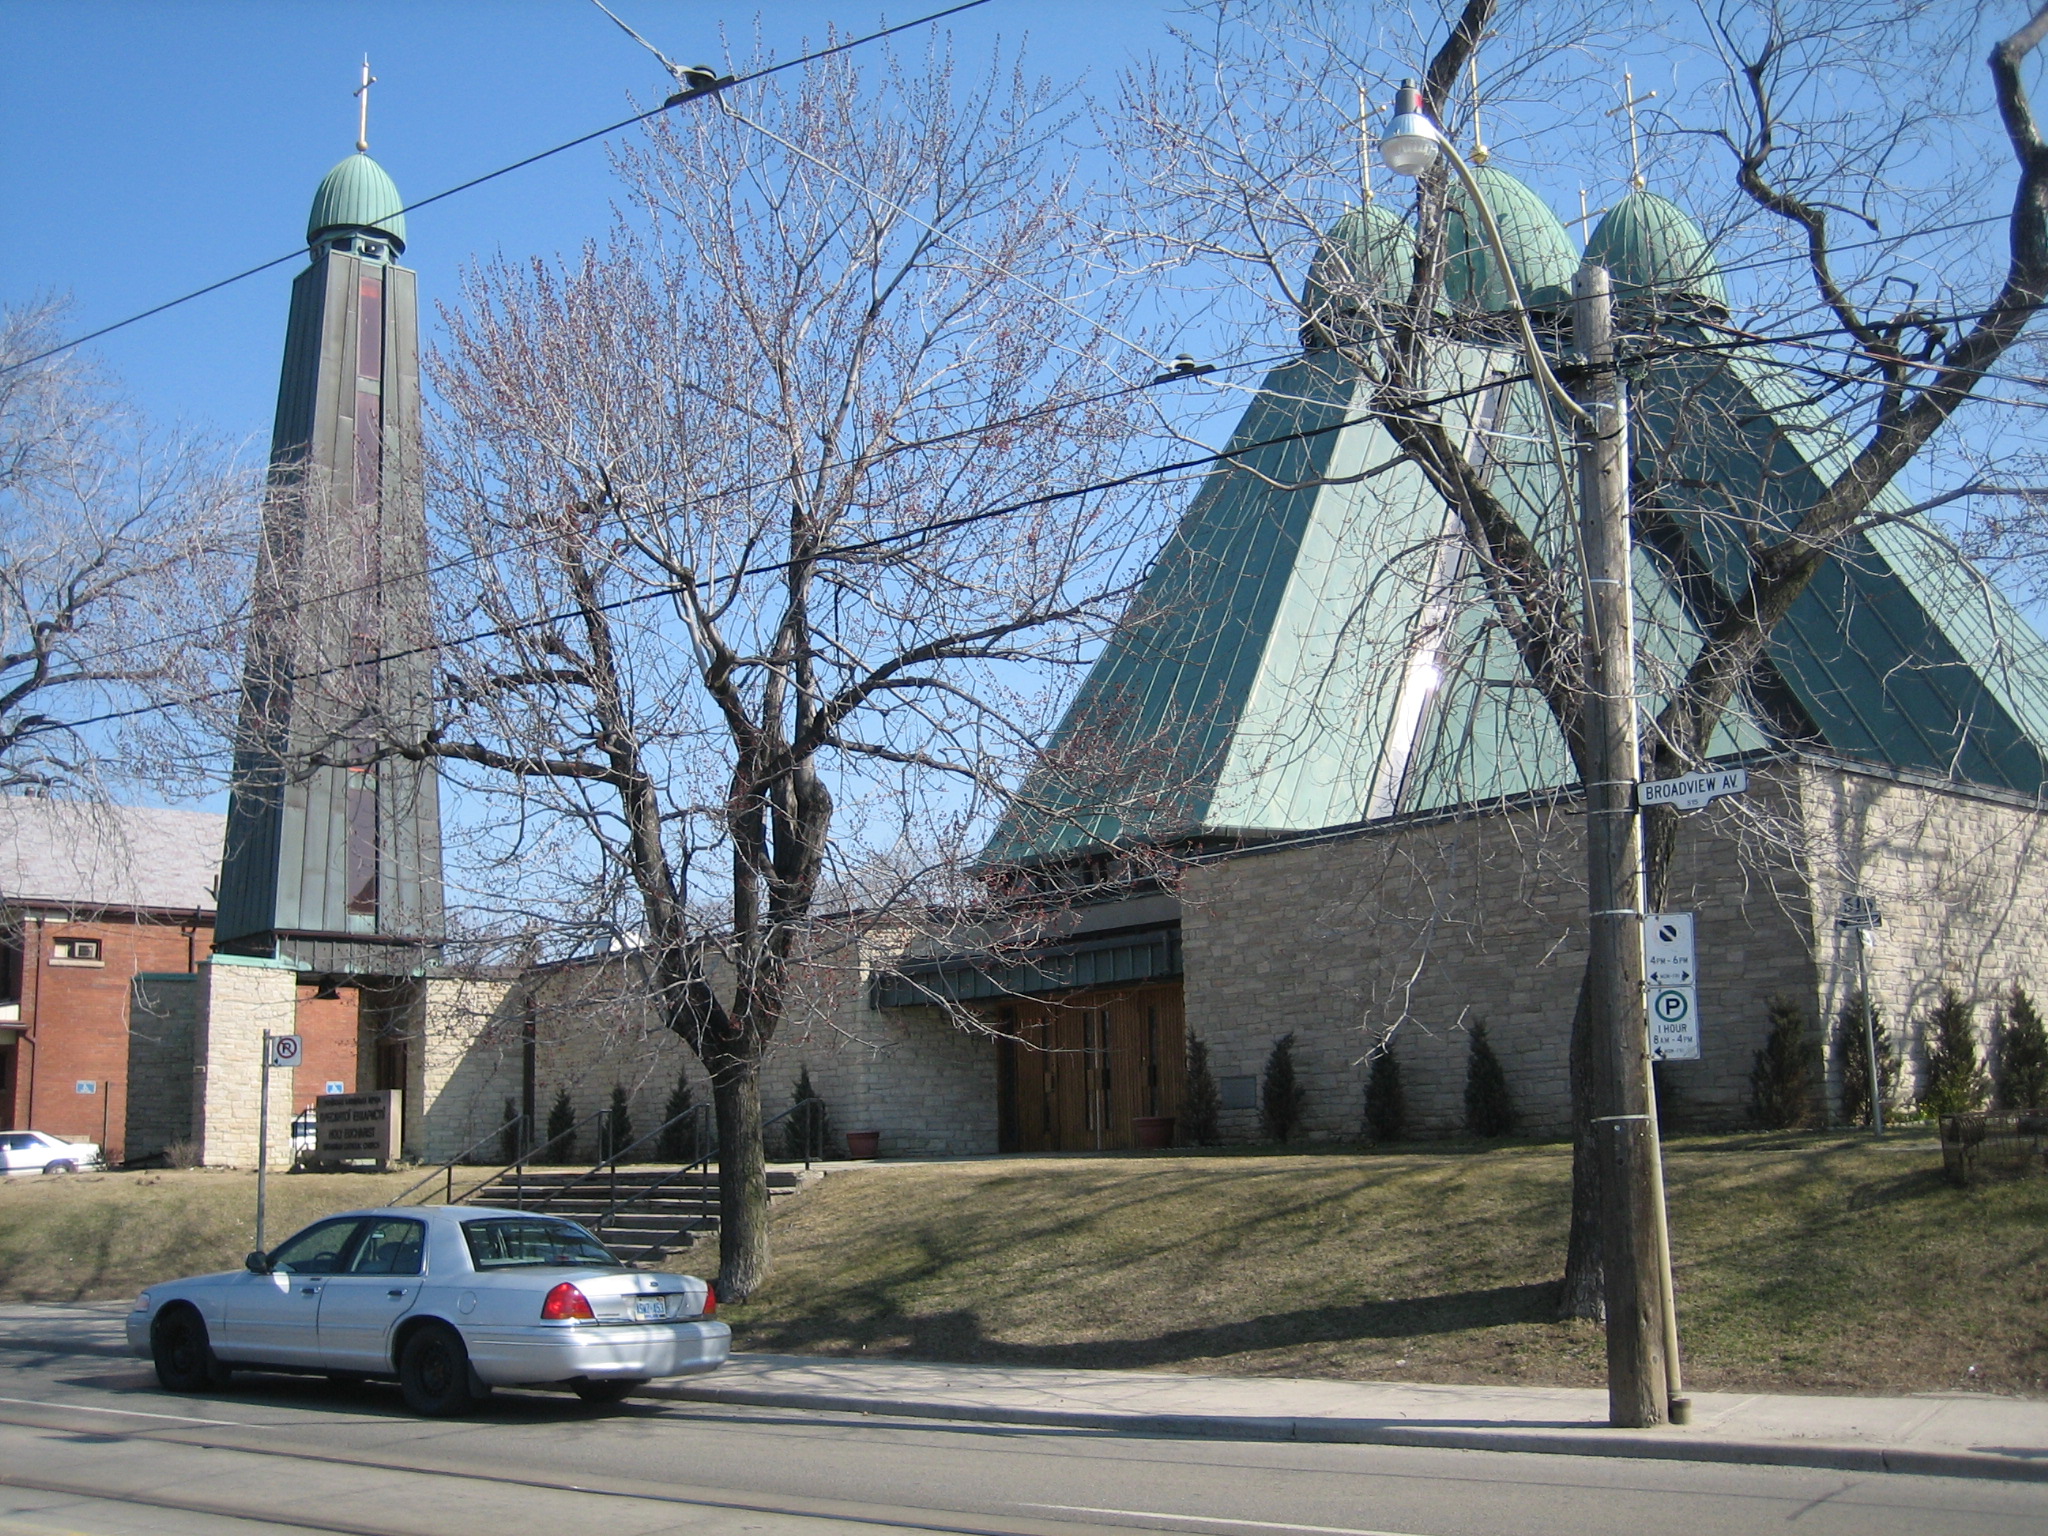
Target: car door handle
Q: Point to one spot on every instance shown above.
(399, 1292)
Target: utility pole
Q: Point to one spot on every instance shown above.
(1637, 1380)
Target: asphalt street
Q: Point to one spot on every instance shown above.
(89, 1445)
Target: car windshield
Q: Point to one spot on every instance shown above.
(509, 1242)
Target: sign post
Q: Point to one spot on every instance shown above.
(278, 1051)
(1860, 916)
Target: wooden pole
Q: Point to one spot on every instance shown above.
(1637, 1382)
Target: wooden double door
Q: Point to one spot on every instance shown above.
(1073, 1073)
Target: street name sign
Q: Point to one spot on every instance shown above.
(1671, 969)
(1690, 791)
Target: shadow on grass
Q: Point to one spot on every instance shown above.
(957, 1335)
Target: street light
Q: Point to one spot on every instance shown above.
(1642, 1328)
(1410, 144)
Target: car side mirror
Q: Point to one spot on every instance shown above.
(257, 1263)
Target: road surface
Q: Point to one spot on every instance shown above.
(88, 1445)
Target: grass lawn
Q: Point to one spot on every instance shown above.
(1817, 1263)
(99, 1236)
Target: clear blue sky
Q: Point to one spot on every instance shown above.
(153, 146)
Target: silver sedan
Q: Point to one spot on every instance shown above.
(451, 1300)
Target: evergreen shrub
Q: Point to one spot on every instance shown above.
(2022, 1056)
(1386, 1101)
(562, 1125)
(1201, 1104)
(1282, 1095)
(808, 1130)
(1954, 1083)
(509, 1150)
(1853, 1059)
(1782, 1078)
(679, 1137)
(1489, 1110)
(615, 1130)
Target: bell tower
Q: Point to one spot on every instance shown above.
(333, 853)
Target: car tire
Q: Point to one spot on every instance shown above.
(182, 1353)
(61, 1165)
(599, 1393)
(433, 1372)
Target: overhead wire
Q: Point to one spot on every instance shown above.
(721, 493)
(834, 552)
(681, 98)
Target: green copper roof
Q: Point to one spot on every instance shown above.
(357, 194)
(1314, 646)
(1653, 247)
(1539, 250)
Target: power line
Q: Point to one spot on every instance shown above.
(835, 552)
(710, 88)
(440, 568)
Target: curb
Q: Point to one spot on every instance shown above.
(1636, 1444)
(1592, 1441)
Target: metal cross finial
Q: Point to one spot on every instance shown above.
(1630, 101)
(362, 95)
(1364, 142)
(1480, 153)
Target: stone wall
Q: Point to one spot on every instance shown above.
(1416, 934)
(240, 998)
(1961, 882)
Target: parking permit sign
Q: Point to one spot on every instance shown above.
(1671, 967)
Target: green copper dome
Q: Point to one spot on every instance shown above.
(1366, 258)
(357, 194)
(1653, 248)
(1538, 249)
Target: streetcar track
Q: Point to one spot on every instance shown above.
(823, 1510)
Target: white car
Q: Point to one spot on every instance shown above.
(40, 1152)
(451, 1300)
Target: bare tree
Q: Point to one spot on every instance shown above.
(758, 571)
(1247, 152)
(123, 554)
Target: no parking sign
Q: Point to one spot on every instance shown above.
(283, 1050)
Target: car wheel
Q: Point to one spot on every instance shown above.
(62, 1165)
(607, 1391)
(182, 1353)
(433, 1372)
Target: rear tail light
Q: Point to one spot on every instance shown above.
(710, 1300)
(564, 1303)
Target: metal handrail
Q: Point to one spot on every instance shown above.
(518, 1166)
(702, 1164)
(611, 1159)
(448, 1168)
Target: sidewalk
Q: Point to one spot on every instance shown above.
(1936, 1434)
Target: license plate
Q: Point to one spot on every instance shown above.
(650, 1309)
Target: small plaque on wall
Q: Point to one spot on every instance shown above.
(1238, 1092)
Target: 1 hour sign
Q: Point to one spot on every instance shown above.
(1671, 969)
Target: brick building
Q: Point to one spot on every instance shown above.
(106, 919)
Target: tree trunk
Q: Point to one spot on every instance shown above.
(1581, 1294)
(742, 1178)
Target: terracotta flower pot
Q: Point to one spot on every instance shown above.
(1153, 1131)
(863, 1144)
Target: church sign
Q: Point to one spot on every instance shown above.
(357, 1127)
